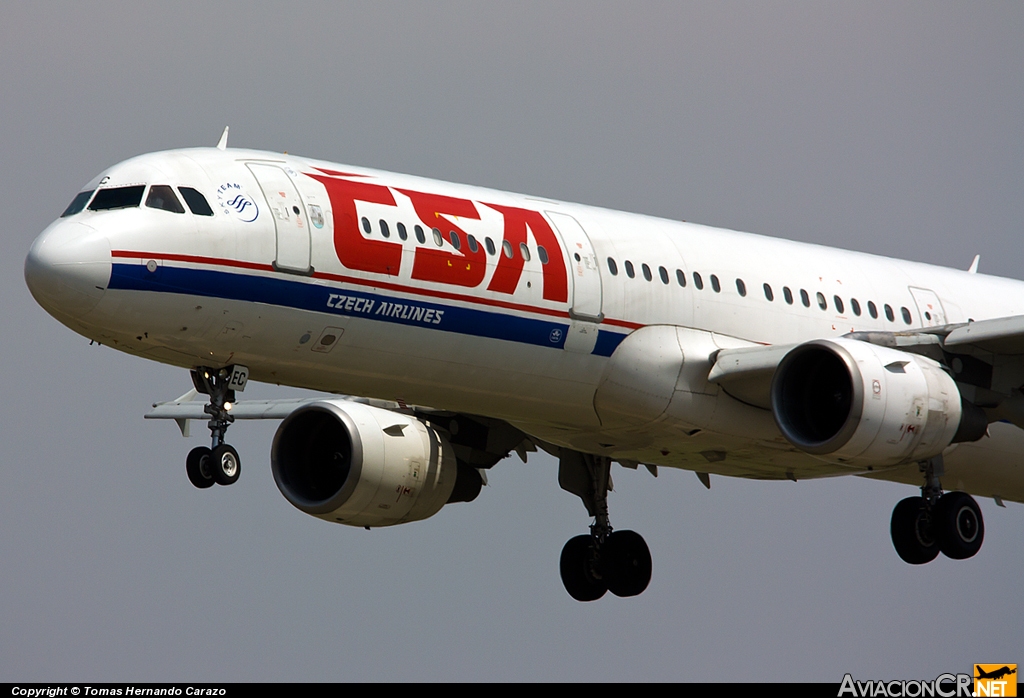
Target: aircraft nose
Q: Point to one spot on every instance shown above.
(68, 268)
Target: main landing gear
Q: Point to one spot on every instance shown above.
(219, 464)
(605, 560)
(924, 526)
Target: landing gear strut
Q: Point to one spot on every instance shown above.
(605, 560)
(220, 463)
(924, 526)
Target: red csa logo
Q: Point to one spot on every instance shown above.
(462, 267)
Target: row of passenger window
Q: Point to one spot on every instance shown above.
(769, 294)
(456, 240)
(161, 196)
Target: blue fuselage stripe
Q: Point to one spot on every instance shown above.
(374, 306)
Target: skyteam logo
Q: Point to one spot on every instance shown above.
(236, 203)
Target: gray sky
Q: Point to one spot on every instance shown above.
(889, 128)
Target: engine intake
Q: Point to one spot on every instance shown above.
(360, 465)
(866, 404)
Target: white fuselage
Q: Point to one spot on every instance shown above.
(294, 277)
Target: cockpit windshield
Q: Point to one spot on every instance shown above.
(117, 197)
(77, 203)
(196, 201)
(162, 196)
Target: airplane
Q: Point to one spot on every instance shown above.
(446, 326)
(995, 674)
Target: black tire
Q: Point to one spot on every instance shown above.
(225, 465)
(197, 465)
(576, 574)
(959, 525)
(913, 531)
(627, 563)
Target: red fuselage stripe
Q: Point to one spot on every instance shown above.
(198, 259)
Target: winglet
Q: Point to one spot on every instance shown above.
(974, 265)
(223, 142)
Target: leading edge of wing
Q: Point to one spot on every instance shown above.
(1003, 336)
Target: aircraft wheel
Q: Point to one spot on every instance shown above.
(913, 531)
(575, 566)
(627, 560)
(197, 465)
(225, 465)
(959, 525)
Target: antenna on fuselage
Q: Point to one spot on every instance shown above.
(223, 142)
(974, 265)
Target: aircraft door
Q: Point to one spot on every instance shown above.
(929, 307)
(586, 276)
(293, 241)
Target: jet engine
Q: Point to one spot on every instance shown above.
(871, 405)
(360, 465)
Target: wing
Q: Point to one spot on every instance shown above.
(479, 442)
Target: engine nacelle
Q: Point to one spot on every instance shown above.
(360, 465)
(865, 404)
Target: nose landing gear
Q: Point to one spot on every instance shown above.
(219, 464)
(606, 560)
(924, 526)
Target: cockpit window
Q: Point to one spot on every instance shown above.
(196, 201)
(117, 197)
(77, 203)
(162, 196)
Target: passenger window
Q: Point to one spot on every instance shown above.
(680, 278)
(117, 197)
(715, 286)
(473, 246)
(542, 254)
(821, 301)
(741, 288)
(77, 203)
(663, 273)
(906, 315)
(889, 314)
(613, 267)
(856, 306)
(366, 226)
(872, 310)
(839, 304)
(384, 230)
(456, 240)
(402, 232)
(506, 247)
(525, 251)
(787, 294)
(647, 271)
(489, 244)
(195, 201)
(162, 197)
(421, 237)
(629, 269)
(698, 282)
(768, 292)
(805, 299)
(438, 240)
